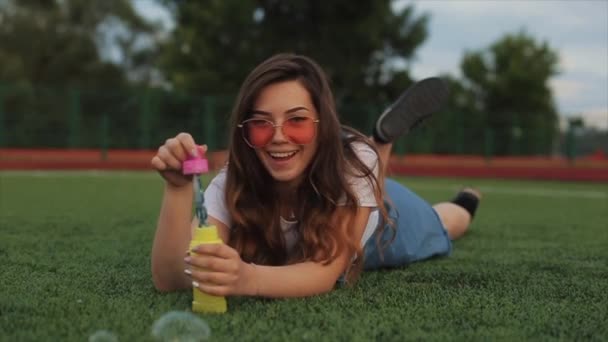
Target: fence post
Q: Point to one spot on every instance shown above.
(2, 131)
(516, 134)
(488, 144)
(372, 113)
(460, 137)
(209, 125)
(104, 136)
(74, 119)
(400, 146)
(570, 148)
(144, 119)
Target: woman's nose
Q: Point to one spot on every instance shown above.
(278, 136)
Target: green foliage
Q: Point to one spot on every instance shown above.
(510, 83)
(57, 90)
(57, 44)
(129, 118)
(457, 129)
(217, 43)
(75, 260)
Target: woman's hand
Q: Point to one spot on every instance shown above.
(170, 156)
(217, 269)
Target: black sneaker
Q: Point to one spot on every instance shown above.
(415, 105)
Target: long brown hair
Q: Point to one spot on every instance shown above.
(250, 190)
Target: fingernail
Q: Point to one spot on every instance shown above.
(187, 259)
(188, 272)
(195, 284)
(194, 152)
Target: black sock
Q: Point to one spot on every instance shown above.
(468, 201)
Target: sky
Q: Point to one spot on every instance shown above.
(576, 29)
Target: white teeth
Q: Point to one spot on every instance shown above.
(282, 154)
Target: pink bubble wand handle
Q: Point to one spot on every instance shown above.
(195, 166)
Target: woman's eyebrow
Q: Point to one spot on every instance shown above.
(296, 109)
(260, 112)
(292, 110)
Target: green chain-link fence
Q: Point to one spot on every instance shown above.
(43, 117)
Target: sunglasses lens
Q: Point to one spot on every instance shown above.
(300, 130)
(258, 133)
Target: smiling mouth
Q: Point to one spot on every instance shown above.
(282, 156)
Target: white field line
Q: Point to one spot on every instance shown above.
(527, 191)
(541, 192)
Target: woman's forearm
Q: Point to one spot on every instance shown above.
(306, 278)
(173, 234)
(298, 280)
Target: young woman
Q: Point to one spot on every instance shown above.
(302, 201)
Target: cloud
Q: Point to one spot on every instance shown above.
(567, 89)
(577, 30)
(583, 58)
(596, 117)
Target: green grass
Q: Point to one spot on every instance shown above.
(74, 255)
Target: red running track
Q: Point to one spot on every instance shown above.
(542, 168)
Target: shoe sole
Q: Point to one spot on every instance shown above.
(414, 106)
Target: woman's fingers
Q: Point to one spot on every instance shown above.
(217, 269)
(189, 147)
(212, 263)
(212, 278)
(218, 250)
(171, 155)
(177, 149)
(158, 164)
(169, 158)
(214, 290)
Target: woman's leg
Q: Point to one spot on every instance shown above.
(414, 106)
(384, 151)
(416, 231)
(456, 216)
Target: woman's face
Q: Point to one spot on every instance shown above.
(292, 147)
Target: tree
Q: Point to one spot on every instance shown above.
(59, 42)
(459, 128)
(51, 54)
(217, 42)
(509, 81)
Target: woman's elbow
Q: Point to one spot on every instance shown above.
(328, 289)
(327, 286)
(162, 286)
(164, 282)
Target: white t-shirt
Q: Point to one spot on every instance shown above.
(361, 186)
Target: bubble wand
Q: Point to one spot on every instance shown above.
(203, 234)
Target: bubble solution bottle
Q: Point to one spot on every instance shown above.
(203, 234)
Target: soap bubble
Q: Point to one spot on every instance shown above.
(103, 336)
(180, 326)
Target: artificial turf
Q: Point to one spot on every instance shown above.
(74, 251)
